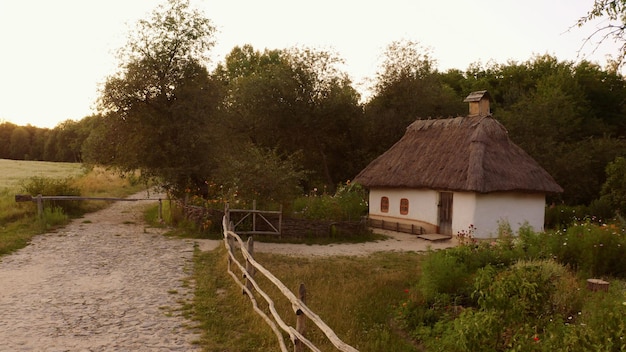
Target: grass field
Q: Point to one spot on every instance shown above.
(19, 222)
(357, 297)
(12, 172)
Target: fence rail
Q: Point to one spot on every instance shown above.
(254, 214)
(39, 200)
(301, 310)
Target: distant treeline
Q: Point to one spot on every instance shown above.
(62, 143)
(570, 117)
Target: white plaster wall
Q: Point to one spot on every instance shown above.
(484, 211)
(514, 208)
(463, 211)
(422, 204)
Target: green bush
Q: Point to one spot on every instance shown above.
(560, 216)
(53, 187)
(443, 273)
(515, 306)
(349, 203)
(523, 294)
(591, 249)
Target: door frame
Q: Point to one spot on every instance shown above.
(444, 213)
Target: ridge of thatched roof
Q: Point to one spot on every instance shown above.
(471, 153)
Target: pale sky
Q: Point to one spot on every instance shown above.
(55, 54)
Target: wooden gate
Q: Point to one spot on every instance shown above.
(445, 213)
(255, 222)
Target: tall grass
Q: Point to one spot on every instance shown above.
(19, 221)
(356, 296)
(13, 172)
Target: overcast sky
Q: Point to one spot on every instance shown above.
(55, 54)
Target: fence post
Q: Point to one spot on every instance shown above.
(249, 267)
(254, 215)
(300, 320)
(160, 210)
(280, 222)
(39, 206)
(227, 214)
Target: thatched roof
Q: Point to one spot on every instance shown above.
(472, 153)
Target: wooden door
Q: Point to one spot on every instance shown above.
(445, 213)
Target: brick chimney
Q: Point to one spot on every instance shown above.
(478, 103)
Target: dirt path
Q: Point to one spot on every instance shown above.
(103, 283)
(108, 283)
(396, 242)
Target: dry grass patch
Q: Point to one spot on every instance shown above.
(18, 221)
(356, 296)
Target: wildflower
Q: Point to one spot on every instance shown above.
(406, 290)
(536, 338)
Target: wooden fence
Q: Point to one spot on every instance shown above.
(257, 217)
(251, 267)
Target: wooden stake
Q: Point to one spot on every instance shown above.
(300, 320)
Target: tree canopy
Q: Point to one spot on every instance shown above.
(157, 111)
(290, 117)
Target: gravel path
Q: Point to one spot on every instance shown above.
(395, 242)
(105, 282)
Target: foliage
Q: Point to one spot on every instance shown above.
(52, 217)
(172, 119)
(158, 111)
(40, 185)
(552, 111)
(522, 294)
(348, 203)
(408, 87)
(296, 101)
(591, 249)
(249, 173)
(614, 188)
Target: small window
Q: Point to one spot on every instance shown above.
(384, 204)
(404, 206)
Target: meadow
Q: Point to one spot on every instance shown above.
(12, 172)
(19, 222)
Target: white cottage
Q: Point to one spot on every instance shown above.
(447, 175)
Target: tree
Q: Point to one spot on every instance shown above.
(157, 111)
(20, 144)
(408, 87)
(6, 129)
(564, 115)
(294, 101)
(614, 11)
(250, 172)
(614, 187)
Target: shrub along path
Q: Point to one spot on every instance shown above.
(103, 283)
